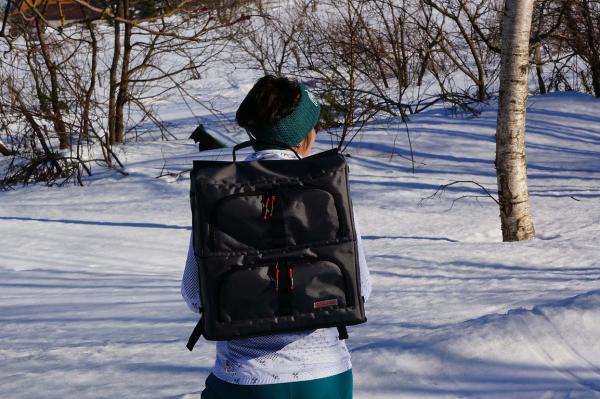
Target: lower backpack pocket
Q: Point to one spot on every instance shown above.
(318, 286)
(247, 294)
(282, 289)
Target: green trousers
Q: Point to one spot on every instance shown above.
(335, 387)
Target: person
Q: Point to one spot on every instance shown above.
(311, 364)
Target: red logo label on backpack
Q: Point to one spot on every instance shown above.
(325, 303)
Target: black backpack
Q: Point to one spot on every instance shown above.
(276, 246)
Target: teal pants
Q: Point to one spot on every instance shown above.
(335, 387)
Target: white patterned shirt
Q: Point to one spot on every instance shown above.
(278, 358)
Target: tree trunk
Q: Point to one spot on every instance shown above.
(596, 80)
(511, 164)
(85, 128)
(350, 105)
(56, 115)
(114, 85)
(539, 68)
(123, 85)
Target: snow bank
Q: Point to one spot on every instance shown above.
(552, 350)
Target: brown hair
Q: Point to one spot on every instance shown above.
(270, 99)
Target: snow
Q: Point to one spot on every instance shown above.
(89, 276)
(550, 351)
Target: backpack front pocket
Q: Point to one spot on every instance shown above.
(283, 288)
(317, 286)
(283, 217)
(310, 215)
(237, 223)
(248, 293)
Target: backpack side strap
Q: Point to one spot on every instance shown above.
(342, 331)
(196, 334)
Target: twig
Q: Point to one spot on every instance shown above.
(176, 175)
(467, 196)
(441, 189)
(412, 155)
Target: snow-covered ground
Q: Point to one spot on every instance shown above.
(89, 276)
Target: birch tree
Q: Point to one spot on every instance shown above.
(511, 164)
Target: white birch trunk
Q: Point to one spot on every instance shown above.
(511, 164)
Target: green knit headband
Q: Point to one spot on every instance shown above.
(292, 129)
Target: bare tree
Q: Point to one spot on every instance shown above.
(270, 42)
(467, 39)
(583, 35)
(511, 164)
(56, 112)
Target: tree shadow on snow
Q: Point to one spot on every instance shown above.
(100, 223)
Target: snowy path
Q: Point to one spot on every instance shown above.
(90, 305)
